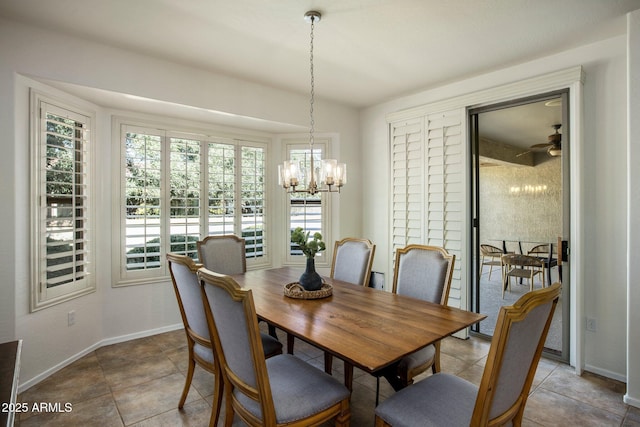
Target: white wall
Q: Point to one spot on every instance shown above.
(603, 166)
(112, 314)
(633, 299)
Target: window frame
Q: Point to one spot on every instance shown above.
(168, 130)
(41, 295)
(322, 259)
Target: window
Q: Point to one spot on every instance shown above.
(180, 187)
(61, 205)
(306, 210)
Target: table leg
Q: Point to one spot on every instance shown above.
(328, 362)
(290, 339)
(348, 375)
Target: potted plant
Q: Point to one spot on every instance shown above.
(310, 279)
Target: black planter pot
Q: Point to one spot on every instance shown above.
(310, 280)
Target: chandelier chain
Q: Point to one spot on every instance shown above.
(312, 122)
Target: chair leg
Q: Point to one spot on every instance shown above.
(377, 389)
(187, 381)
(218, 388)
(344, 417)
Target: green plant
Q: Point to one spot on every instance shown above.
(309, 247)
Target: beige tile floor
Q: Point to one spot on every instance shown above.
(138, 383)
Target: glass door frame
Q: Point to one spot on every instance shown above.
(474, 203)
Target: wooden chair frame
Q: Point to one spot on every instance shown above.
(451, 259)
(372, 251)
(492, 252)
(488, 384)
(491, 374)
(521, 266)
(192, 339)
(262, 393)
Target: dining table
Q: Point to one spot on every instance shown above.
(366, 328)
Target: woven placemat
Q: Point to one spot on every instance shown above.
(295, 290)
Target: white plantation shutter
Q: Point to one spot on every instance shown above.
(62, 255)
(445, 188)
(407, 185)
(428, 185)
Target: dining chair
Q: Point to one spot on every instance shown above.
(352, 262)
(548, 253)
(422, 272)
(183, 272)
(493, 254)
(280, 391)
(223, 254)
(523, 267)
(447, 400)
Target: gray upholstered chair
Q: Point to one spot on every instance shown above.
(447, 400)
(352, 260)
(189, 295)
(422, 272)
(185, 283)
(279, 391)
(223, 254)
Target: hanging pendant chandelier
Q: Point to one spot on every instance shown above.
(330, 176)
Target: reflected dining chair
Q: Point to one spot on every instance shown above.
(280, 391)
(447, 400)
(422, 272)
(183, 272)
(523, 267)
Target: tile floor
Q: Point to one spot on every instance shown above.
(138, 383)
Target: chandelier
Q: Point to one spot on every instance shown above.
(330, 176)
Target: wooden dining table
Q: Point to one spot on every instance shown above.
(366, 328)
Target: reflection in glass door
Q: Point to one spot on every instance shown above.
(519, 191)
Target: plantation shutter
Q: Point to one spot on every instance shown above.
(407, 160)
(427, 172)
(63, 253)
(444, 167)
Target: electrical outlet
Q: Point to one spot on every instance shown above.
(71, 318)
(591, 324)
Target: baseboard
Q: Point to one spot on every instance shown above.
(633, 401)
(107, 341)
(606, 373)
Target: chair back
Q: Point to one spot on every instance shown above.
(232, 319)
(352, 260)
(489, 250)
(423, 272)
(521, 261)
(187, 287)
(516, 347)
(223, 254)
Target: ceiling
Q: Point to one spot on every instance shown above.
(365, 51)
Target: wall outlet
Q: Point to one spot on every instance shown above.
(591, 324)
(71, 318)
